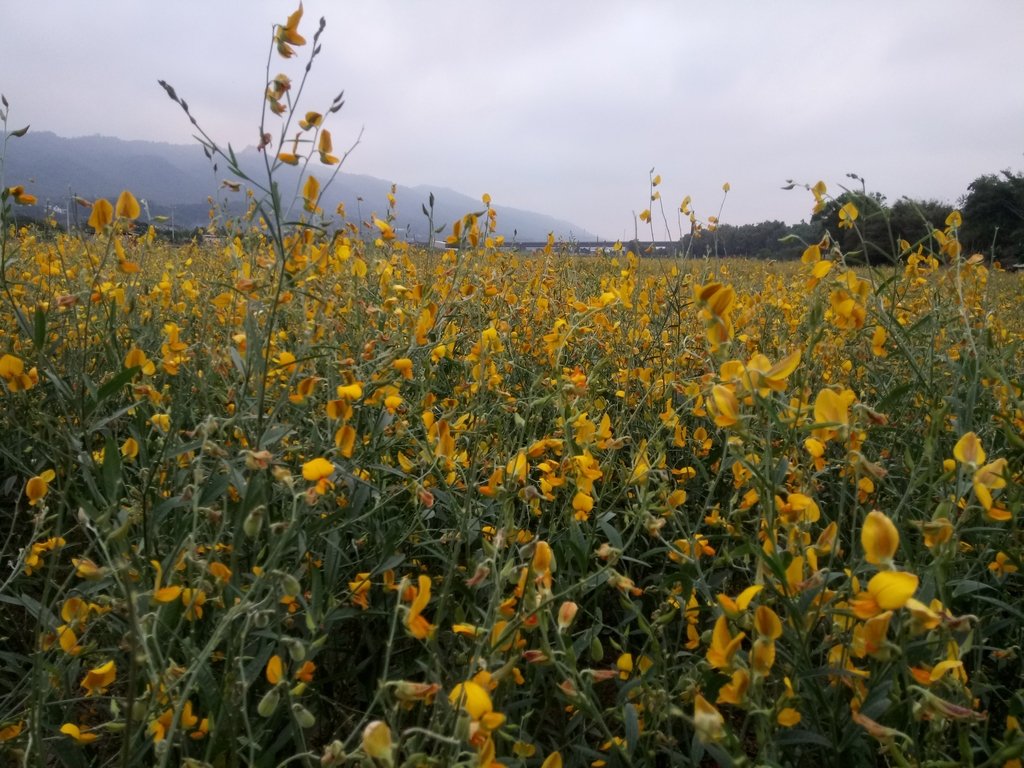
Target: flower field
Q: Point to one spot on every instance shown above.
(294, 496)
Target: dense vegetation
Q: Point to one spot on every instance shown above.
(299, 497)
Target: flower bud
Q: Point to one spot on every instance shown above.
(377, 741)
(566, 614)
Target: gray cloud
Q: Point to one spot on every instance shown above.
(564, 107)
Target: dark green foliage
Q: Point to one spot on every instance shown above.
(993, 211)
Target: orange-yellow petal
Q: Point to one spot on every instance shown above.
(892, 589)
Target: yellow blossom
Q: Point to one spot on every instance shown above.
(77, 734)
(707, 720)
(98, 679)
(37, 487)
(879, 538)
(376, 741)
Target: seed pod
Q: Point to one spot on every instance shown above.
(291, 585)
(253, 523)
(303, 716)
(268, 704)
(296, 649)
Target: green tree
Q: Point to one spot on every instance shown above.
(993, 212)
(871, 239)
(915, 220)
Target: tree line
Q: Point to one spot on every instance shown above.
(993, 225)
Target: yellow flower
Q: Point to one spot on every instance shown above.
(37, 487)
(566, 614)
(387, 232)
(788, 717)
(127, 206)
(732, 608)
(847, 215)
(582, 505)
(937, 531)
(167, 594)
(887, 591)
(723, 645)
(415, 622)
(220, 572)
(404, 366)
(34, 561)
(11, 731)
(352, 391)
(968, 450)
(193, 600)
(130, 448)
(472, 698)
(376, 741)
(12, 371)
(869, 637)
(317, 469)
(76, 733)
(518, 468)
(762, 656)
(305, 672)
(360, 590)
(1002, 566)
(311, 120)
(288, 35)
(304, 389)
(878, 342)
(102, 214)
(797, 508)
(21, 197)
(311, 194)
(726, 407)
(275, 670)
(707, 721)
(832, 411)
(641, 466)
(880, 539)
(98, 679)
(767, 623)
(735, 690)
(325, 147)
(988, 478)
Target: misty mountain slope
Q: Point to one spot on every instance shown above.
(178, 179)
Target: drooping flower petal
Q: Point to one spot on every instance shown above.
(879, 538)
(127, 206)
(102, 214)
(892, 589)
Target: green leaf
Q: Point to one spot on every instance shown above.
(39, 328)
(213, 489)
(893, 396)
(966, 586)
(114, 385)
(111, 468)
(631, 722)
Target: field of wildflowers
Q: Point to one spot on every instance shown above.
(304, 497)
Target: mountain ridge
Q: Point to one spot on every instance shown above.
(176, 181)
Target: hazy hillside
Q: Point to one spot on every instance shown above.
(177, 180)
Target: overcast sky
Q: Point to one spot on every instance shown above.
(563, 107)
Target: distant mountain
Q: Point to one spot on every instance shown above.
(177, 180)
